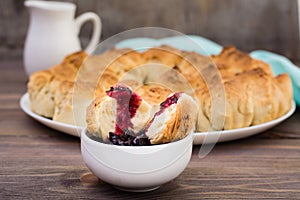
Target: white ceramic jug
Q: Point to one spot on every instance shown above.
(53, 33)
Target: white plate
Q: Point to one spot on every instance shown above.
(228, 135)
(65, 128)
(199, 138)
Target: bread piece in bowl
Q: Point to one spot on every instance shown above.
(124, 118)
(118, 111)
(175, 119)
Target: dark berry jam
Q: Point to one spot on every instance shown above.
(169, 101)
(165, 104)
(127, 105)
(134, 103)
(129, 138)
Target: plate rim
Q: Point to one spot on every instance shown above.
(248, 131)
(70, 129)
(75, 130)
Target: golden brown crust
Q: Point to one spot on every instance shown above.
(188, 119)
(63, 111)
(253, 94)
(175, 123)
(165, 55)
(41, 96)
(154, 94)
(232, 61)
(92, 120)
(191, 67)
(101, 117)
(170, 129)
(42, 85)
(252, 97)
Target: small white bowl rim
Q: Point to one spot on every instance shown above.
(84, 132)
(139, 148)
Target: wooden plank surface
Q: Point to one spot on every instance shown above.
(256, 24)
(40, 163)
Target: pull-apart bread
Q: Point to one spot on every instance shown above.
(43, 85)
(241, 90)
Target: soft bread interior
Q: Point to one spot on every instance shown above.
(101, 117)
(189, 110)
(175, 122)
(142, 116)
(164, 125)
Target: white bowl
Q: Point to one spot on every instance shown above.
(136, 168)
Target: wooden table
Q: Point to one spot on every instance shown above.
(38, 162)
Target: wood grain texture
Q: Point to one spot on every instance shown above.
(268, 24)
(40, 163)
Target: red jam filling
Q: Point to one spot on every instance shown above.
(163, 106)
(127, 105)
(169, 101)
(134, 104)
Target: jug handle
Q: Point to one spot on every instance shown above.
(97, 27)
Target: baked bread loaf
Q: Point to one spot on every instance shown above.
(42, 85)
(251, 98)
(231, 62)
(250, 92)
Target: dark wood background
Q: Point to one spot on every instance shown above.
(248, 24)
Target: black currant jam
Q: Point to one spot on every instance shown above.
(129, 138)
